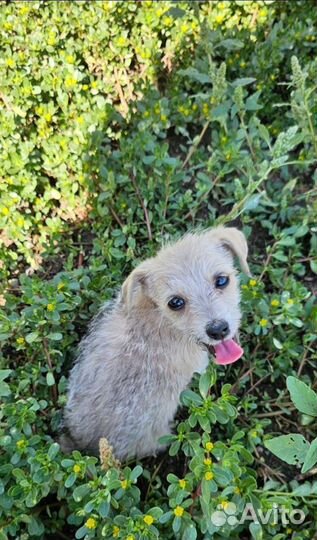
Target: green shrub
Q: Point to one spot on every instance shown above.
(123, 125)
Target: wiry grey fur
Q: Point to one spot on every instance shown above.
(139, 355)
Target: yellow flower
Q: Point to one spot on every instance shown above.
(253, 434)
(48, 117)
(242, 64)
(115, 531)
(22, 443)
(131, 537)
(205, 108)
(208, 462)
(124, 484)
(24, 10)
(178, 511)
(122, 41)
(77, 469)
(94, 84)
(163, 117)
(237, 490)
(85, 86)
(220, 18)
(70, 59)
(252, 282)
(209, 475)
(70, 82)
(51, 40)
(91, 523)
(10, 62)
(263, 323)
(275, 303)
(224, 504)
(146, 114)
(51, 307)
(148, 519)
(20, 340)
(182, 483)
(290, 301)
(209, 446)
(168, 21)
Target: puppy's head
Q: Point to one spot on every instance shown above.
(193, 286)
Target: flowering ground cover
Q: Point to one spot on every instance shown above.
(123, 125)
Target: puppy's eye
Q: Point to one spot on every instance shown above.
(176, 303)
(221, 282)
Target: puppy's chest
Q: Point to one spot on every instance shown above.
(175, 376)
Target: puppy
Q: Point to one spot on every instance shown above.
(140, 354)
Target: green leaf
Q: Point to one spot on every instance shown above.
(190, 533)
(4, 373)
(243, 81)
(137, 471)
(35, 527)
(175, 12)
(70, 480)
(256, 531)
(264, 134)
(290, 448)
(277, 344)
(311, 457)
(253, 202)
(195, 75)
(303, 397)
(188, 397)
(204, 384)
(80, 492)
(55, 336)
(251, 103)
(232, 44)
(50, 380)
(53, 450)
(174, 448)
(30, 338)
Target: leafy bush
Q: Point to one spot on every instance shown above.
(125, 124)
(294, 448)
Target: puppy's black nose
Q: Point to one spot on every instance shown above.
(217, 329)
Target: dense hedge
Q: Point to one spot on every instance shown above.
(124, 124)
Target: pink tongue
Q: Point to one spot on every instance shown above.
(227, 352)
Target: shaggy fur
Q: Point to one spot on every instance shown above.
(140, 355)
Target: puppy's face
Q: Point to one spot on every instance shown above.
(193, 285)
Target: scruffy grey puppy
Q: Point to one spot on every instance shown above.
(172, 311)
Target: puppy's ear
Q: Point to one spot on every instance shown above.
(235, 240)
(135, 286)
